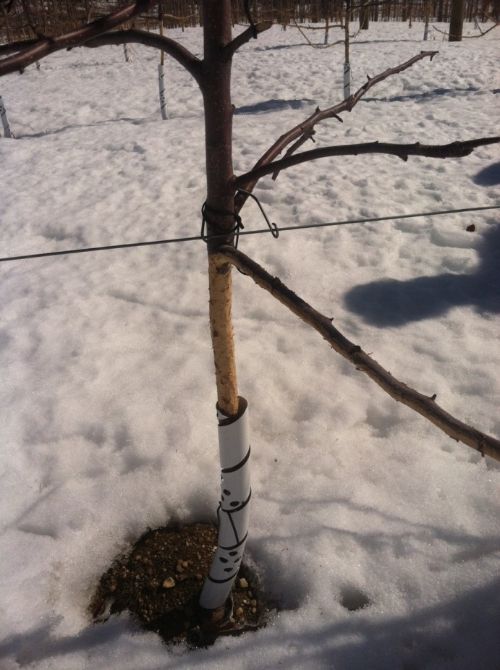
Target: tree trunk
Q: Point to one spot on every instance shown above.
(233, 431)
(440, 11)
(456, 20)
(364, 18)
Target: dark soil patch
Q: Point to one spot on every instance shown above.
(159, 582)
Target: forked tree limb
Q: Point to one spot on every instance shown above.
(47, 45)
(403, 151)
(320, 115)
(420, 403)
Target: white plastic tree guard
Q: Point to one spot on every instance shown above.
(161, 88)
(5, 122)
(347, 79)
(234, 509)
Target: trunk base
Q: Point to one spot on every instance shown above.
(159, 582)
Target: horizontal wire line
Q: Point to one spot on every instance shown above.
(259, 231)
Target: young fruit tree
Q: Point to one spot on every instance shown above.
(226, 195)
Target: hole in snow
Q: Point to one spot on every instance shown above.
(353, 599)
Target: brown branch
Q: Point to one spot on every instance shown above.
(192, 64)
(17, 46)
(47, 45)
(451, 150)
(320, 115)
(296, 145)
(420, 403)
(246, 36)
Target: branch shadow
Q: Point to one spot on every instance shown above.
(390, 302)
(488, 176)
(428, 95)
(459, 633)
(274, 105)
(45, 133)
(278, 47)
(41, 643)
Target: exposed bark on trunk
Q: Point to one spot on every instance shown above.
(221, 327)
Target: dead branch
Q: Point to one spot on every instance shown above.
(403, 151)
(246, 36)
(319, 115)
(420, 403)
(47, 45)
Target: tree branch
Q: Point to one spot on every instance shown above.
(17, 46)
(47, 45)
(319, 115)
(420, 403)
(451, 150)
(481, 32)
(169, 46)
(246, 36)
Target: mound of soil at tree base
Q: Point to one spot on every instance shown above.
(159, 582)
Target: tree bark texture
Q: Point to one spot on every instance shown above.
(216, 89)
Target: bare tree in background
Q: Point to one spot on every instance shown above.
(456, 20)
(226, 197)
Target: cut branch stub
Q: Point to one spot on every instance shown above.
(423, 404)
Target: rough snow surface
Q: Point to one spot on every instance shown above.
(107, 395)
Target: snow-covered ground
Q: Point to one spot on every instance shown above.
(107, 394)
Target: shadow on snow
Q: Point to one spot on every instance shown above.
(488, 176)
(457, 633)
(273, 106)
(428, 95)
(390, 302)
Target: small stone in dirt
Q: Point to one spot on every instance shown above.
(199, 577)
(243, 583)
(239, 612)
(168, 583)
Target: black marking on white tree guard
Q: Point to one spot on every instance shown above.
(233, 510)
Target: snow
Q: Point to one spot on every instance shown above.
(107, 396)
